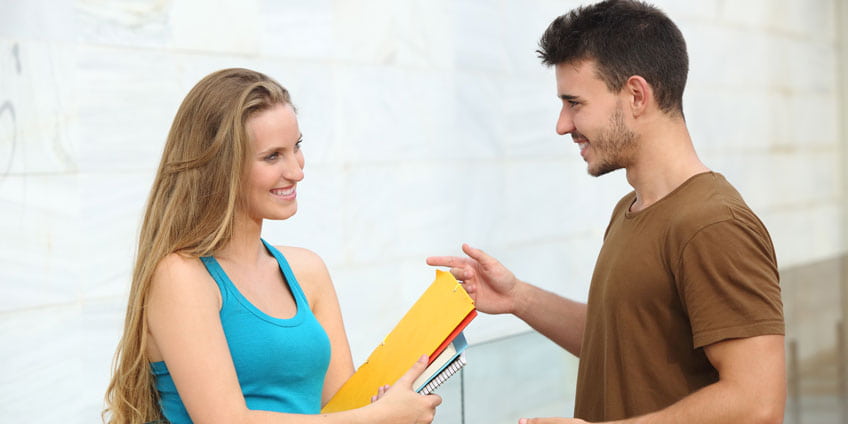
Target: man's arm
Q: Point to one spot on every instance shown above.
(555, 317)
(496, 290)
(751, 388)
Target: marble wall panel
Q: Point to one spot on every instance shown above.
(36, 108)
(684, 13)
(136, 23)
(556, 198)
(724, 120)
(529, 109)
(525, 26)
(805, 234)
(42, 367)
(403, 210)
(102, 321)
(811, 66)
(295, 29)
(115, 135)
(814, 19)
(215, 26)
(414, 34)
(479, 42)
(782, 180)
(389, 114)
(538, 203)
(43, 20)
(739, 58)
(815, 119)
(112, 207)
(39, 249)
(474, 132)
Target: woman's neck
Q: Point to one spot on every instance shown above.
(245, 245)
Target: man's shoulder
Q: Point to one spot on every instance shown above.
(712, 201)
(709, 199)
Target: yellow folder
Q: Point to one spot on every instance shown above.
(433, 318)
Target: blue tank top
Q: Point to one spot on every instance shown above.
(280, 363)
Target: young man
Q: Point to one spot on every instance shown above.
(684, 321)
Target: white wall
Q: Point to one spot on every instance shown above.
(426, 124)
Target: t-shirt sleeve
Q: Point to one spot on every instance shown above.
(729, 284)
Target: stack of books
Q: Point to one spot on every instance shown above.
(433, 325)
(448, 363)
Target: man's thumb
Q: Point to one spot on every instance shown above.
(476, 254)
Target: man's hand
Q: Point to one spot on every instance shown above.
(491, 285)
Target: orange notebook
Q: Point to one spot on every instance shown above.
(430, 324)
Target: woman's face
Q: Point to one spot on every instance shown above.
(274, 164)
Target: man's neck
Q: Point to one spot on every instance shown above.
(666, 159)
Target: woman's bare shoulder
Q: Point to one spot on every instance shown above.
(299, 257)
(179, 274)
(310, 271)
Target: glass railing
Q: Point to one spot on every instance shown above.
(523, 375)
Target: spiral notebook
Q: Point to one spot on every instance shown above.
(443, 376)
(443, 367)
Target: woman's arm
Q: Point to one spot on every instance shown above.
(183, 317)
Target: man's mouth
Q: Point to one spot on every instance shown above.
(581, 141)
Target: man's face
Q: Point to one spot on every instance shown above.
(594, 117)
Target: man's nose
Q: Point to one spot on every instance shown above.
(564, 124)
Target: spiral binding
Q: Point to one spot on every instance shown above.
(443, 376)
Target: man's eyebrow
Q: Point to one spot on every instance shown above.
(568, 97)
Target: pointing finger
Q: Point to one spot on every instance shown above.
(447, 261)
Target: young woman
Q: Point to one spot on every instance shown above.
(221, 326)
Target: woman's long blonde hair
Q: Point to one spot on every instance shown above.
(190, 210)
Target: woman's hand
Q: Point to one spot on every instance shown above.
(381, 391)
(402, 404)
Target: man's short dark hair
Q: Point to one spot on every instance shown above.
(624, 38)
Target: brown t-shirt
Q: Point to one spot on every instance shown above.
(695, 268)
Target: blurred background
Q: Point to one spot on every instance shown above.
(426, 124)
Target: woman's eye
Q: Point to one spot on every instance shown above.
(272, 156)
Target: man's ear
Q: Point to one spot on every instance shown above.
(640, 95)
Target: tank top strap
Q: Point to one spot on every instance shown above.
(219, 275)
(300, 297)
